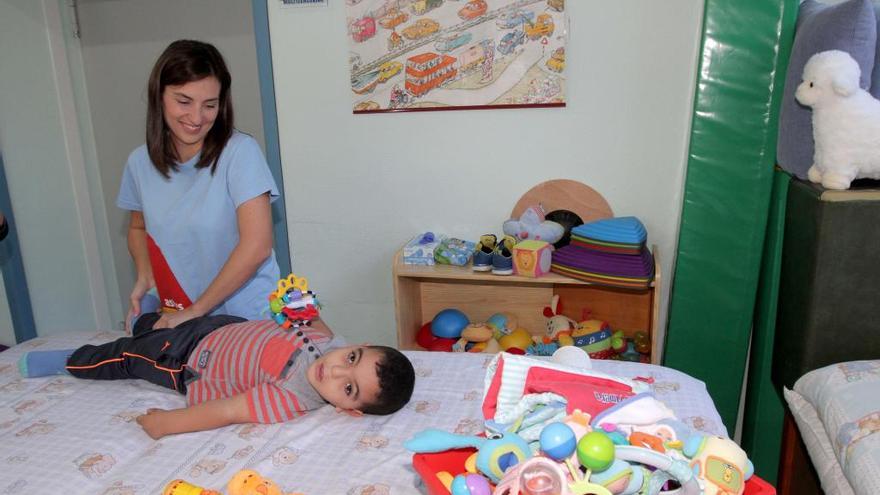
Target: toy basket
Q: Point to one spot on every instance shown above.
(452, 461)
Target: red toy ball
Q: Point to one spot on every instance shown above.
(431, 342)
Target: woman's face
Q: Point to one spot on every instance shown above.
(190, 111)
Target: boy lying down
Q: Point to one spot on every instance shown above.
(237, 371)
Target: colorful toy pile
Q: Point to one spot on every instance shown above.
(560, 441)
(293, 304)
(609, 252)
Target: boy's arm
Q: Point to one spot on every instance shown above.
(205, 416)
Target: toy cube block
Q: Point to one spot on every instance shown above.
(532, 258)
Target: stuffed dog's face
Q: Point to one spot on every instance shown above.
(827, 76)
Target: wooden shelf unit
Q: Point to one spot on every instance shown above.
(420, 292)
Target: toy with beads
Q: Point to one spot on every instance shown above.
(293, 304)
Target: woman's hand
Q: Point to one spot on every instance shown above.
(140, 288)
(174, 318)
(153, 423)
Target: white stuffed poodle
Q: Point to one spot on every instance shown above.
(846, 120)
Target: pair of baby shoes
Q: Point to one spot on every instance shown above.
(490, 254)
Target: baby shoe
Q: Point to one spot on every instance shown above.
(483, 253)
(502, 257)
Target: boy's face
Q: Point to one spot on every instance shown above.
(346, 377)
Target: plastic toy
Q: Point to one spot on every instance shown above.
(449, 323)
(470, 484)
(559, 326)
(431, 342)
(502, 324)
(477, 337)
(181, 487)
(846, 120)
(533, 225)
(248, 482)
(532, 258)
(494, 456)
(720, 463)
(293, 304)
(245, 482)
(517, 342)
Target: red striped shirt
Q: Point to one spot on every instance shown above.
(264, 361)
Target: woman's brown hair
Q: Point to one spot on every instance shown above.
(182, 62)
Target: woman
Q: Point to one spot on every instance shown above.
(199, 194)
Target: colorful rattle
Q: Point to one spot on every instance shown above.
(293, 304)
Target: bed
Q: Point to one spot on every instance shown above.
(63, 435)
(837, 413)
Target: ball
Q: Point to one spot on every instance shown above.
(470, 484)
(557, 441)
(595, 451)
(449, 323)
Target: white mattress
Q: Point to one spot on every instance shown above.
(64, 435)
(837, 409)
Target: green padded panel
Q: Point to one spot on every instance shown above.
(764, 409)
(742, 65)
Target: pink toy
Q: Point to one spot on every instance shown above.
(532, 258)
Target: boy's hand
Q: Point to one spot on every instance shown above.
(153, 423)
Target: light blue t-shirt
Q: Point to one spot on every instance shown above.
(191, 217)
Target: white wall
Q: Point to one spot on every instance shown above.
(358, 186)
(120, 42)
(43, 158)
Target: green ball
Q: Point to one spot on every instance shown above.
(595, 451)
(275, 305)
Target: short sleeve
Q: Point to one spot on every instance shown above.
(269, 403)
(249, 174)
(129, 197)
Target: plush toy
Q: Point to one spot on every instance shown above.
(594, 336)
(846, 121)
(533, 225)
(720, 464)
(477, 337)
(559, 326)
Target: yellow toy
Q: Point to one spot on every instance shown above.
(518, 339)
(245, 482)
(720, 464)
(180, 487)
(248, 482)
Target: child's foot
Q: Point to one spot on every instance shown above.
(44, 363)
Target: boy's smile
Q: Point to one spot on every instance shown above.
(346, 377)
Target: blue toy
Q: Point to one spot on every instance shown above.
(494, 456)
(449, 323)
(470, 484)
(558, 441)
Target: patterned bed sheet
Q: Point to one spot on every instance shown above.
(838, 406)
(63, 435)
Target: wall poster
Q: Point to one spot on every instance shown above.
(412, 55)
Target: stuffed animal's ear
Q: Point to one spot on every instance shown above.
(555, 305)
(548, 312)
(844, 86)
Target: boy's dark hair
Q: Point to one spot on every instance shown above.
(397, 379)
